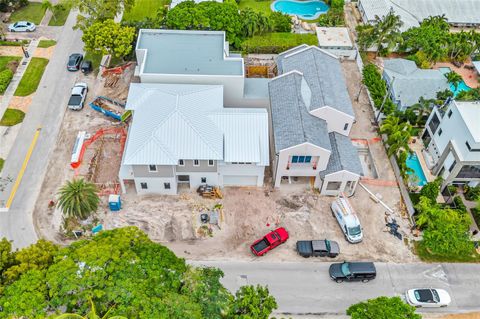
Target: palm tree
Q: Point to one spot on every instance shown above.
(454, 78)
(47, 5)
(398, 135)
(422, 108)
(386, 32)
(78, 198)
(92, 314)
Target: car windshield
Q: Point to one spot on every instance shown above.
(346, 269)
(354, 231)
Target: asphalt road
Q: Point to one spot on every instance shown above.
(306, 288)
(46, 112)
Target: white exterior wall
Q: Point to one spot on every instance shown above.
(344, 177)
(233, 85)
(196, 178)
(320, 155)
(336, 120)
(226, 169)
(156, 185)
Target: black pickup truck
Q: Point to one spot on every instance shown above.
(318, 248)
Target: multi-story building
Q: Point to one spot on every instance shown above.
(452, 143)
(181, 135)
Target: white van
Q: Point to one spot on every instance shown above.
(347, 219)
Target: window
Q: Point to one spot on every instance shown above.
(196, 163)
(143, 185)
(241, 163)
(440, 132)
(301, 159)
(333, 186)
(181, 162)
(203, 179)
(210, 162)
(166, 185)
(449, 113)
(345, 127)
(152, 168)
(434, 123)
(472, 149)
(452, 166)
(469, 171)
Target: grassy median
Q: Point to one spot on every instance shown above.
(32, 76)
(12, 117)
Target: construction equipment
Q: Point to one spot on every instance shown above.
(84, 140)
(209, 191)
(110, 107)
(116, 70)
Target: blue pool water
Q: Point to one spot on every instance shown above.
(414, 164)
(307, 10)
(462, 86)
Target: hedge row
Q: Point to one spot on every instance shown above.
(5, 78)
(377, 88)
(277, 42)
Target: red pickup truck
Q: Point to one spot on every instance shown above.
(269, 241)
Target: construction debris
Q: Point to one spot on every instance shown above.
(208, 191)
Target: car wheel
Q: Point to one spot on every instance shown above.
(443, 306)
(338, 280)
(365, 280)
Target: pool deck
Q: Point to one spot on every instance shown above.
(417, 147)
(470, 77)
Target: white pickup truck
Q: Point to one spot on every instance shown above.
(78, 96)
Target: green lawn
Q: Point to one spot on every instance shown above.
(46, 43)
(32, 12)
(14, 43)
(32, 76)
(12, 117)
(143, 9)
(60, 14)
(5, 59)
(262, 6)
(2, 161)
(428, 257)
(277, 42)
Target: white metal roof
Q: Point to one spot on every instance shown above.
(174, 121)
(476, 64)
(470, 112)
(412, 12)
(333, 37)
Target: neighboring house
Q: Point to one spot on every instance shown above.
(197, 57)
(410, 83)
(311, 118)
(336, 40)
(452, 143)
(459, 13)
(182, 135)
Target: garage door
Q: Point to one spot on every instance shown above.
(232, 180)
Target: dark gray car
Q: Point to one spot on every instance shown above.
(318, 248)
(353, 271)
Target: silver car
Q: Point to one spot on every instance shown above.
(22, 26)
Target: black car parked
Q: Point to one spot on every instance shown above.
(353, 271)
(74, 62)
(318, 248)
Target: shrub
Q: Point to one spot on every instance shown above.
(457, 200)
(420, 58)
(476, 215)
(431, 190)
(281, 22)
(452, 189)
(5, 78)
(472, 193)
(377, 88)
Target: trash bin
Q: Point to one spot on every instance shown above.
(114, 203)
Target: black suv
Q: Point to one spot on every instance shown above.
(352, 271)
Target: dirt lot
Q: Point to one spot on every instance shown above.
(247, 214)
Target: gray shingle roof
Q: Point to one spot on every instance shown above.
(344, 156)
(323, 73)
(291, 121)
(411, 83)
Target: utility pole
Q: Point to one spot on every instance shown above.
(384, 100)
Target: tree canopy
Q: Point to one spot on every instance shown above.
(92, 11)
(109, 37)
(121, 273)
(383, 308)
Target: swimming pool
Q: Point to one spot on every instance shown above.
(414, 163)
(306, 10)
(462, 86)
